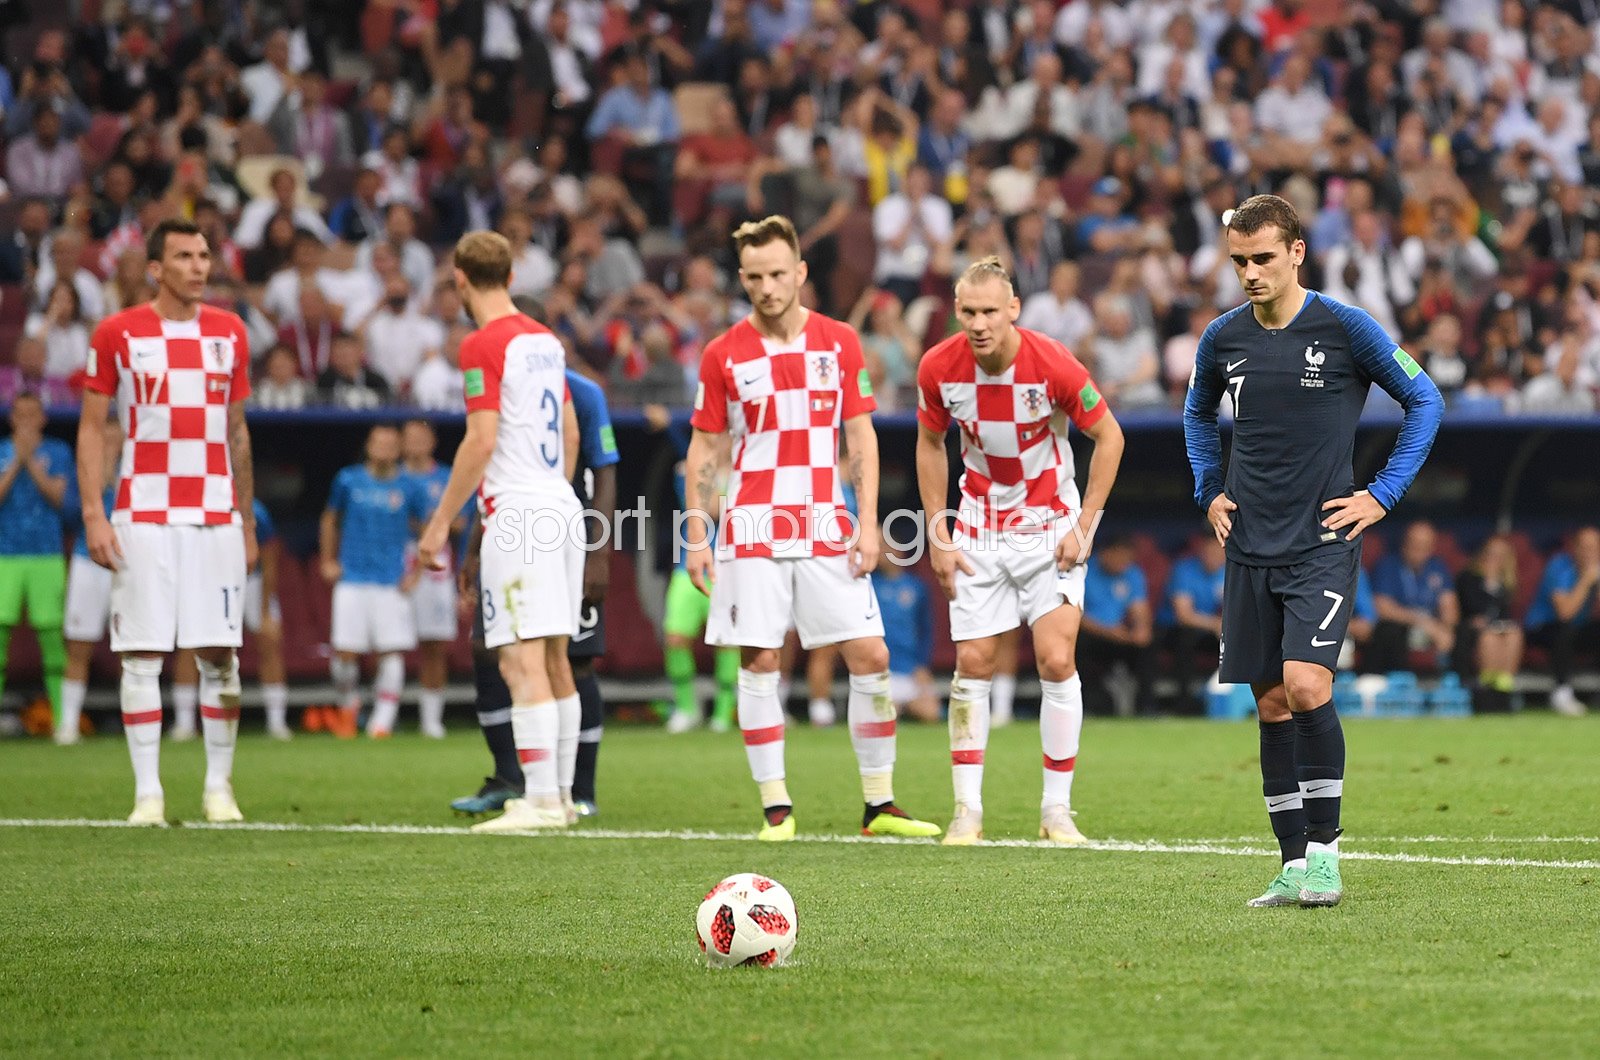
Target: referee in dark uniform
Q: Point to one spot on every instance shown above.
(1297, 366)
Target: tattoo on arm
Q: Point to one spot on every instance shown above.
(244, 479)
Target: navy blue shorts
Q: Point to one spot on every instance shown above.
(1274, 614)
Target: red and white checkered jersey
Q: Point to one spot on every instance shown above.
(783, 404)
(517, 367)
(173, 381)
(1019, 470)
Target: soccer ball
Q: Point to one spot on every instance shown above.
(747, 919)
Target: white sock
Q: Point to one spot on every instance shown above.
(276, 699)
(71, 705)
(346, 673)
(1002, 697)
(535, 728)
(1060, 723)
(969, 735)
(1322, 848)
(761, 722)
(219, 718)
(821, 705)
(141, 721)
(386, 688)
(184, 699)
(871, 716)
(430, 705)
(569, 715)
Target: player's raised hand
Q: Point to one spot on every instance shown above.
(1357, 511)
(867, 551)
(102, 542)
(946, 559)
(698, 562)
(1217, 515)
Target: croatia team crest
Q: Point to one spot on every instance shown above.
(219, 352)
(1033, 403)
(822, 370)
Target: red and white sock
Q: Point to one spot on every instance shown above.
(141, 722)
(761, 723)
(1060, 723)
(534, 729)
(569, 719)
(871, 714)
(969, 736)
(184, 698)
(391, 678)
(219, 719)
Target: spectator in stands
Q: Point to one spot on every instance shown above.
(267, 82)
(879, 318)
(1417, 606)
(65, 261)
(1039, 244)
(1177, 356)
(20, 249)
(402, 174)
(1106, 228)
(29, 376)
(1557, 391)
(283, 197)
(1116, 626)
(347, 383)
(821, 201)
(1365, 272)
(611, 266)
(129, 282)
(944, 144)
(1292, 111)
(275, 252)
(399, 337)
(1194, 613)
(888, 146)
(712, 170)
(62, 328)
(400, 233)
(1126, 365)
(280, 299)
(280, 386)
(358, 217)
(1441, 355)
(115, 206)
(908, 226)
(193, 124)
(635, 125)
(1488, 640)
(1562, 619)
(467, 198)
(304, 125)
(310, 335)
(1565, 216)
(533, 270)
(44, 163)
(657, 379)
(438, 383)
(1463, 256)
(1057, 311)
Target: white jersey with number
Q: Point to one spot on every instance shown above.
(515, 366)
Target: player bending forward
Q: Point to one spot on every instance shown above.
(1298, 365)
(521, 446)
(1022, 537)
(781, 381)
(183, 532)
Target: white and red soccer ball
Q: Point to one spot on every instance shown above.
(747, 919)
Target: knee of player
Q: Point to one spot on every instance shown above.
(975, 659)
(1272, 705)
(1056, 662)
(870, 657)
(759, 660)
(1308, 691)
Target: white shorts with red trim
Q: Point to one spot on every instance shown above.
(755, 601)
(177, 587)
(531, 574)
(88, 600)
(1014, 580)
(371, 618)
(253, 612)
(433, 602)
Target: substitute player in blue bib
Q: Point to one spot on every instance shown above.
(595, 483)
(433, 597)
(366, 534)
(1298, 366)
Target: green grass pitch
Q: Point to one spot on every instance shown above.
(196, 942)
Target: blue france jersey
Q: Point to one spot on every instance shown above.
(1203, 588)
(1560, 576)
(1107, 597)
(29, 524)
(375, 523)
(1297, 395)
(1420, 589)
(265, 530)
(109, 501)
(597, 443)
(907, 620)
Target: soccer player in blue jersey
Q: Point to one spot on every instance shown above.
(365, 537)
(35, 472)
(433, 597)
(88, 599)
(1298, 366)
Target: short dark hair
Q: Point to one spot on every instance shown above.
(155, 247)
(1260, 211)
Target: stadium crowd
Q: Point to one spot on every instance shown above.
(1446, 154)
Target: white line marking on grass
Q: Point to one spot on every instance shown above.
(1492, 840)
(1224, 848)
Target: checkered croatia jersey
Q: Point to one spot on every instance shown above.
(1019, 470)
(783, 404)
(173, 381)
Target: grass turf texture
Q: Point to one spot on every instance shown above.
(191, 942)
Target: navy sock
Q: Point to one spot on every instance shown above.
(1319, 760)
(590, 729)
(1281, 786)
(494, 717)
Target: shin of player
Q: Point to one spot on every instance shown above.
(521, 446)
(1298, 366)
(785, 551)
(433, 596)
(183, 532)
(1021, 535)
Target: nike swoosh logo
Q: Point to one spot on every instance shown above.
(1319, 788)
(1234, 364)
(752, 381)
(1315, 643)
